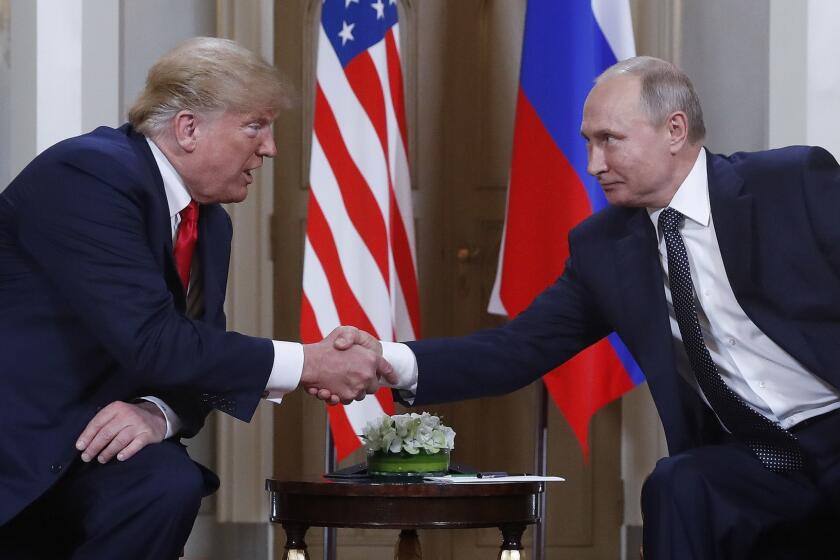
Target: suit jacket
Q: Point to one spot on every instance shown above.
(92, 309)
(776, 218)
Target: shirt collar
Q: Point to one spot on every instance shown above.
(177, 196)
(692, 197)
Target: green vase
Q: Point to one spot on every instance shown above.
(403, 463)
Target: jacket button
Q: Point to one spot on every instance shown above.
(55, 468)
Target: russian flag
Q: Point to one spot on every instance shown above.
(567, 44)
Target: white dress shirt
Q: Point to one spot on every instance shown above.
(288, 356)
(755, 367)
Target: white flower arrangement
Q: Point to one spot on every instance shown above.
(409, 433)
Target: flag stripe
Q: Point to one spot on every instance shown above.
(631, 368)
(590, 380)
(402, 194)
(404, 326)
(342, 430)
(612, 18)
(359, 267)
(364, 81)
(404, 264)
(557, 84)
(316, 288)
(552, 184)
(359, 257)
(360, 412)
(396, 83)
(354, 190)
(365, 71)
(386, 404)
(356, 131)
(309, 331)
(349, 310)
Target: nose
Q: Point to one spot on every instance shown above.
(596, 163)
(267, 147)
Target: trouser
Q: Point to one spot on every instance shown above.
(720, 502)
(142, 508)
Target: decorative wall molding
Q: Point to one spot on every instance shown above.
(245, 452)
(657, 25)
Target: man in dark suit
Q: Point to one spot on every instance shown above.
(722, 277)
(114, 253)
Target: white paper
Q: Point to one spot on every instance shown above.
(460, 479)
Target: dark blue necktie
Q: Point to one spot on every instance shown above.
(774, 446)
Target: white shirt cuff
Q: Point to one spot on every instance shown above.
(404, 362)
(286, 371)
(173, 421)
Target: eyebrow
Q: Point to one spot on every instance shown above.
(601, 132)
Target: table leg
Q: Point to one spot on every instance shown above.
(408, 546)
(512, 542)
(295, 545)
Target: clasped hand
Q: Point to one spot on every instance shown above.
(345, 366)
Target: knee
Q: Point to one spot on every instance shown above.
(676, 479)
(181, 483)
(174, 479)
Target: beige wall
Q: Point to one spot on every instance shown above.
(5, 92)
(804, 85)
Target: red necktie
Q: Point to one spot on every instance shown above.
(185, 241)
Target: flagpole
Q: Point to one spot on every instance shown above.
(330, 540)
(541, 467)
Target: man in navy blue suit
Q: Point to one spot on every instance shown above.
(722, 277)
(114, 253)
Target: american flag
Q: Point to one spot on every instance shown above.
(566, 45)
(359, 259)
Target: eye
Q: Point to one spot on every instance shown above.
(254, 128)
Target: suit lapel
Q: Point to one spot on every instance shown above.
(214, 251)
(160, 223)
(733, 219)
(640, 274)
(732, 210)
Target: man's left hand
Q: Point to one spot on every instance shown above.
(121, 429)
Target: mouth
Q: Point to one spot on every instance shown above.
(249, 176)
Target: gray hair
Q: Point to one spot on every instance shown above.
(665, 89)
(207, 74)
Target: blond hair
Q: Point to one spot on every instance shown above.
(207, 74)
(665, 90)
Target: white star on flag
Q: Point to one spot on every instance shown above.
(348, 2)
(380, 9)
(346, 32)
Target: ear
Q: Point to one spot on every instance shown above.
(677, 127)
(185, 127)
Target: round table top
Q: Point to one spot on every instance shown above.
(320, 486)
(340, 503)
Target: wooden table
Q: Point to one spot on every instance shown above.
(301, 504)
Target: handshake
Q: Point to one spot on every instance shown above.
(345, 366)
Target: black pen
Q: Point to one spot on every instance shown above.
(491, 474)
